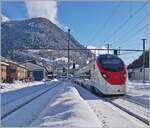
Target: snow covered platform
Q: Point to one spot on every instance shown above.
(64, 105)
(67, 109)
(5, 87)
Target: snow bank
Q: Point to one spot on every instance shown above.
(67, 109)
(55, 79)
(138, 85)
(18, 85)
(139, 92)
(25, 115)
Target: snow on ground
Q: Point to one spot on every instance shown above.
(24, 116)
(67, 109)
(60, 107)
(18, 85)
(66, 105)
(132, 107)
(109, 115)
(13, 99)
(139, 92)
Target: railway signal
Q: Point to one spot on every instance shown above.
(115, 52)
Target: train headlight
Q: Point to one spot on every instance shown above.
(104, 75)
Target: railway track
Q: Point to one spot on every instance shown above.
(140, 118)
(144, 120)
(36, 94)
(22, 96)
(139, 102)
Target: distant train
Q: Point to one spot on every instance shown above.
(107, 75)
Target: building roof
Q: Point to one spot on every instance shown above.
(33, 67)
(12, 62)
(4, 63)
(7, 62)
(15, 63)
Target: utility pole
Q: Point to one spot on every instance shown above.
(144, 60)
(68, 53)
(119, 51)
(108, 48)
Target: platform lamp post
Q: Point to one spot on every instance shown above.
(68, 53)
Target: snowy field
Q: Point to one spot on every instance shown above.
(138, 92)
(65, 105)
(18, 85)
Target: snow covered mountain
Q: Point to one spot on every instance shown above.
(40, 33)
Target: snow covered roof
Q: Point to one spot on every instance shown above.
(33, 67)
(12, 62)
(62, 59)
(22, 66)
(4, 63)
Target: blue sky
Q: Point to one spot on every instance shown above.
(96, 23)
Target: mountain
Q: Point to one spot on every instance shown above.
(38, 33)
(139, 62)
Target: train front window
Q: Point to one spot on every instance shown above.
(111, 63)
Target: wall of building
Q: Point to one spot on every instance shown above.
(12, 72)
(21, 73)
(16, 72)
(3, 72)
(137, 74)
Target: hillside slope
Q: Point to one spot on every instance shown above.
(139, 62)
(39, 33)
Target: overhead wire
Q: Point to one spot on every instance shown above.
(126, 21)
(106, 21)
(129, 53)
(131, 29)
(136, 32)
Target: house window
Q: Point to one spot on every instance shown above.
(12, 70)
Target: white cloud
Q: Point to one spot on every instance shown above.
(4, 18)
(42, 8)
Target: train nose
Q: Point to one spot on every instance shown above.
(118, 90)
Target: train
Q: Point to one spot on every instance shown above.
(106, 75)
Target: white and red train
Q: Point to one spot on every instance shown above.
(107, 75)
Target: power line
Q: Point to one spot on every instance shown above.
(135, 26)
(128, 53)
(136, 32)
(107, 21)
(126, 21)
(78, 49)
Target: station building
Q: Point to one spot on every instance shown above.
(3, 74)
